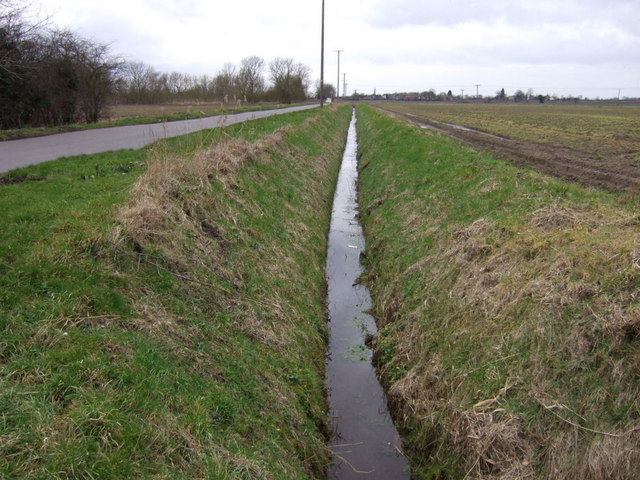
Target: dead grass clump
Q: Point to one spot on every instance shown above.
(476, 228)
(622, 325)
(555, 216)
(603, 457)
(167, 193)
(494, 439)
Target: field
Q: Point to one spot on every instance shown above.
(162, 310)
(116, 112)
(508, 308)
(598, 144)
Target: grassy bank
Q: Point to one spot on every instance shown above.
(509, 310)
(162, 311)
(123, 115)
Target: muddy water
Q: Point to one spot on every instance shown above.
(365, 442)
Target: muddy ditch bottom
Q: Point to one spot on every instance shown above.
(365, 442)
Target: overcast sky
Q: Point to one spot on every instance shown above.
(567, 47)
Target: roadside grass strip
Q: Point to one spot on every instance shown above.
(508, 306)
(137, 115)
(162, 310)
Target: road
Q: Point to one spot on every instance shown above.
(18, 153)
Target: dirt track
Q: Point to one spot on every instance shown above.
(614, 173)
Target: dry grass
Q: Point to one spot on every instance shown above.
(153, 205)
(538, 265)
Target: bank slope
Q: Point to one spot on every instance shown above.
(162, 310)
(509, 310)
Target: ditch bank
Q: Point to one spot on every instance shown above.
(508, 310)
(163, 314)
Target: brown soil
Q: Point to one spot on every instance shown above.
(613, 173)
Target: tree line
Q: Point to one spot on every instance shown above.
(138, 82)
(51, 76)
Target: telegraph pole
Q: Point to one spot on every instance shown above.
(344, 90)
(462, 90)
(322, 60)
(338, 83)
(477, 94)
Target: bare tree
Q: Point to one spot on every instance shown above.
(225, 83)
(290, 80)
(97, 69)
(250, 80)
(142, 82)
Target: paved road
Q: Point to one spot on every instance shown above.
(18, 153)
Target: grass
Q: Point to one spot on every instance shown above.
(601, 129)
(162, 310)
(508, 311)
(123, 115)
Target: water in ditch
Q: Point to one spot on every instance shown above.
(365, 442)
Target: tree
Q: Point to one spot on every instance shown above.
(290, 80)
(225, 83)
(139, 79)
(250, 80)
(97, 70)
(519, 96)
(501, 95)
(329, 90)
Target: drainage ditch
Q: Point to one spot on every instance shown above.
(365, 443)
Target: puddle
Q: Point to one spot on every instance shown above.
(365, 443)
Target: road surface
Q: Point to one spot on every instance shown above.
(18, 153)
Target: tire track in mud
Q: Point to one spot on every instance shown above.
(567, 163)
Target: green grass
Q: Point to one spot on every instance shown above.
(508, 310)
(193, 350)
(142, 119)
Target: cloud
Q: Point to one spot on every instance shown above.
(385, 42)
(387, 14)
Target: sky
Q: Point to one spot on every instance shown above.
(563, 47)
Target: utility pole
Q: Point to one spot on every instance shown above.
(338, 83)
(322, 60)
(477, 94)
(344, 90)
(462, 90)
